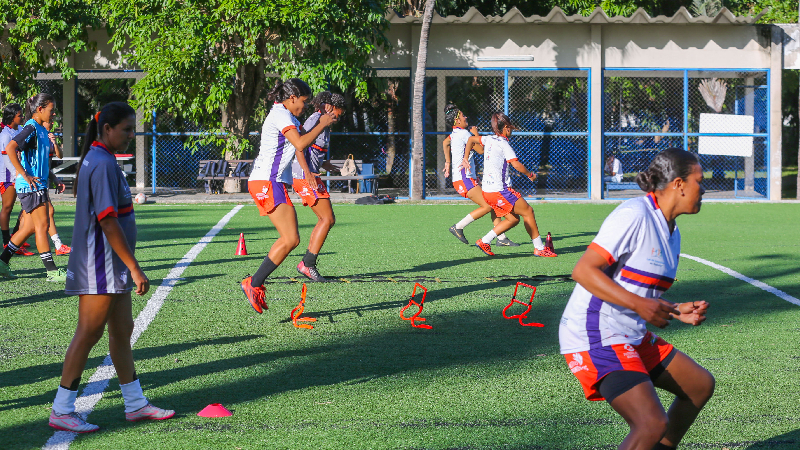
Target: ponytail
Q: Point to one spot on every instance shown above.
(451, 114)
(285, 89)
(36, 102)
(667, 166)
(112, 114)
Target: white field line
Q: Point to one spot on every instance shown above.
(754, 282)
(98, 382)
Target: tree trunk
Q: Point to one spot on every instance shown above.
(249, 83)
(390, 148)
(418, 170)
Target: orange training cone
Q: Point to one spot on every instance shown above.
(548, 243)
(241, 249)
(215, 410)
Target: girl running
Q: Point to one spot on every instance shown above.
(33, 170)
(621, 277)
(465, 180)
(103, 270)
(506, 202)
(318, 199)
(282, 140)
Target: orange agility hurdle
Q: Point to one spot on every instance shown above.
(524, 315)
(299, 310)
(416, 317)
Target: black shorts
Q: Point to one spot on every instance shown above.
(32, 200)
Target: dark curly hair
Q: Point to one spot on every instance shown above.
(668, 165)
(451, 114)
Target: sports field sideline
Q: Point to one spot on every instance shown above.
(365, 379)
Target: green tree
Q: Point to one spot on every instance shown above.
(209, 61)
(39, 36)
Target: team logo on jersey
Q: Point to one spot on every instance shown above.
(123, 277)
(70, 274)
(500, 203)
(461, 189)
(655, 252)
(630, 352)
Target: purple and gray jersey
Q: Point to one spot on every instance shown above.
(316, 153)
(94, 268)
(7, 171)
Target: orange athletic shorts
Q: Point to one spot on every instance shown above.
(268, 195)
(309, 195)
(5, 186)
(591, 366)
(502, 202)
(464, 185)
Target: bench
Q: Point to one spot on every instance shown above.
(367, 180)
(609, 186)
(211, 170)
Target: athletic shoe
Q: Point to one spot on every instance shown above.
(485, 248)
(63, 250)
(255, 295)
(506, 243)
(71, 422)
(310, 272)
(25, 245)
(459, 234)
(57, 276)
(149, 412)
(24, 252)
(546, 252)
(5, 271)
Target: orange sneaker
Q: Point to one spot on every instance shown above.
(485, 248)
(63, 250)
(546, 253)
(24, 252)
(255, 295)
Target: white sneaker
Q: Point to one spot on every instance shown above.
(149, 412)
(71, 422)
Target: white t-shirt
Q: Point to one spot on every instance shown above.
(7, 171)
(458, 143)
(497, 153)
(643, 258)
(274, 160)
(616, 169)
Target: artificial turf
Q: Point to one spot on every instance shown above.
(365, 379)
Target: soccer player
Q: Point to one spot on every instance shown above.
(318, 199)
(621, 277)
(33, 169)
(506, 202)
(465, 181)
(9, 128)
(282, 140)
(103, 270)
(61, 248)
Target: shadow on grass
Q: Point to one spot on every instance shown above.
(788, 441)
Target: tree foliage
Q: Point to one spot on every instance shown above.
(39, 36)
(209, 60)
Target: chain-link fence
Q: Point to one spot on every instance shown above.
(722, 116)
(549, 107)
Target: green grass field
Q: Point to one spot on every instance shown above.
(365, 379)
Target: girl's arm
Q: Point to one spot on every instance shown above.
(523, 170)
(301, 142)
(56, 148)
(446, 149)
(116, 238)
(589, 273)
(55, 180)
(11, 151)
(473, 143)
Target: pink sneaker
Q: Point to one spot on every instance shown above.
(149, 412)
(71, 422)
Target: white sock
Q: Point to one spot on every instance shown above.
(489, 236)
(56, 240)
(537, 243)
(464, 222)
(133, 396)
(65, 401)
(501, 236)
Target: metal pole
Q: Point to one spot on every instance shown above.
(685, 110)
(153, 150)
(505, 91)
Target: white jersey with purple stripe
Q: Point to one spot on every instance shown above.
(7, 171)
(274, 160)
(497, 153)
(458, 143)
(643, 258)
(94, 267)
